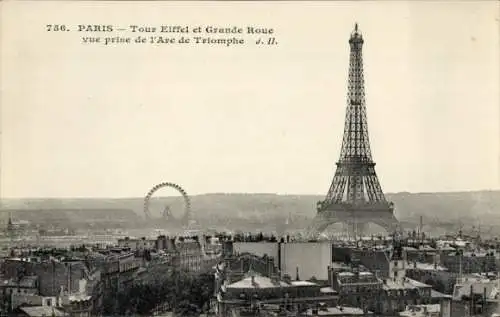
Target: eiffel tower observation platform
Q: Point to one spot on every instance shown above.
(355, 196)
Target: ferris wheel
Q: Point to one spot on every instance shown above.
(184, 219)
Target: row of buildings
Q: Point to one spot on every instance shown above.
(379, 279)
(85, 280)
(271, 276)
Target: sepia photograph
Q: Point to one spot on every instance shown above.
(250, 158)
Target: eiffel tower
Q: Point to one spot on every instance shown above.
(355, 196)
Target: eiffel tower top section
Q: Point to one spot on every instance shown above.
(356, 37)
(356, 144)
(355, 182)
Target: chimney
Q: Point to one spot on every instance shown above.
(297, 274)
(253, 280)
(69, 277)
(330, 272)
(471, 302)
(171, 244)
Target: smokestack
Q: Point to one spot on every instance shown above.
(69, 277)
(471, 302)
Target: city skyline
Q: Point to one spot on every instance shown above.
(114, 121)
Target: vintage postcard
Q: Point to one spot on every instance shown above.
(250, 158)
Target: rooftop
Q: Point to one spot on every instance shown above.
(361, 274)
(26, 282)
(302, 283)
(476, 287)
(427, 267)
(41, 311)
(436, 294)
(338, 311)
(254, 280)
(413, 310)
(326, 290)
(257, 281)
(79, 298)
(406, 284)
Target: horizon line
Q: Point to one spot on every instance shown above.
(246, 193)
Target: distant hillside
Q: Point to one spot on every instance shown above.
(74, 215)
(467, 207)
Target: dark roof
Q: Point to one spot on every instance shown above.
(41, 311)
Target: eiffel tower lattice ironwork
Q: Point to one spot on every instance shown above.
(355, 196)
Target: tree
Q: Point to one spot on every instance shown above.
(186, 309)
(188, 300)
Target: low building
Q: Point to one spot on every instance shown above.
(189, 255)
(337, 312)
(16, 227)
(14, 290)
(469, 262)
(439, 277)
(39, 311)
(475, 295)
(431, 310)
(399, 291)
(357, 288)
(137, 244)
(254, 292)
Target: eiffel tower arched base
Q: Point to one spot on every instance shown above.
(356, 220)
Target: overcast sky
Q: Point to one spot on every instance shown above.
(93, 121)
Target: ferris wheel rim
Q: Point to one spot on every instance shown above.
(154, 189)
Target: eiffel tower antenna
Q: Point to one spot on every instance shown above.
(355, 196)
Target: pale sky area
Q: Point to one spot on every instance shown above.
(94, 121)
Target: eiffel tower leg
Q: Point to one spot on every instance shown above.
(389, 223)
(327, 218)
(318, 225)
